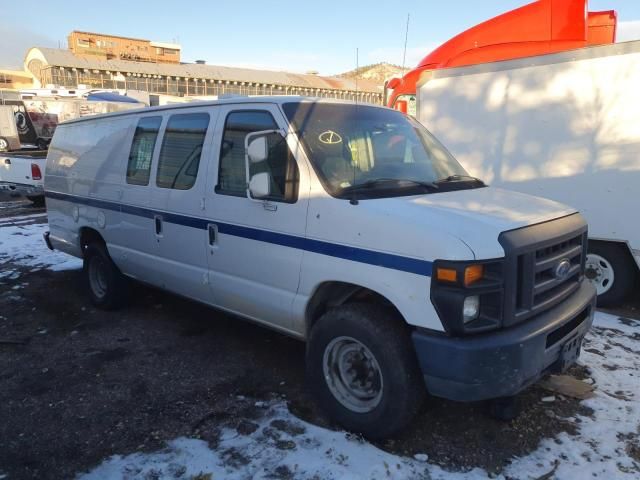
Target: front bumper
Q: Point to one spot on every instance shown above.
(504, 362)
(23, 189)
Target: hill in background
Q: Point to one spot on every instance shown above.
(377, 72)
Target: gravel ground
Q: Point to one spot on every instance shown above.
(78, 385)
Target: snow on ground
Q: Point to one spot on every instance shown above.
(22, 247)
(283, 446)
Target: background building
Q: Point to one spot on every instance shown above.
(63, 68)
(15, 79)
(112, 47)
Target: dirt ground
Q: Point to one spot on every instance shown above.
(78, 385)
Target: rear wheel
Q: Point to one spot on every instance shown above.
(106, 284)
(362, 368)
(611, 270)
(4, 145)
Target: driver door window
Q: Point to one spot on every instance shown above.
(280, 163)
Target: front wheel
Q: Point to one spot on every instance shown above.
(362, 368)
(4, 144)
(107, 285)
(611, 271)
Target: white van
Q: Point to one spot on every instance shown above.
(345, 225)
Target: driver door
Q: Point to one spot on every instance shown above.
(254, 260)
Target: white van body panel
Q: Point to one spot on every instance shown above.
(241, 268)
(87, 162)
(563, 126)
(266, 263)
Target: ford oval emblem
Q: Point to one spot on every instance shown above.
(562, 269)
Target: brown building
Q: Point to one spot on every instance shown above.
(62, 68)
(15, 79)
(111, 47)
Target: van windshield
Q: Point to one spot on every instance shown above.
(373, 152)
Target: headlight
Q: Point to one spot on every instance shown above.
(468, 295)
(471, 308)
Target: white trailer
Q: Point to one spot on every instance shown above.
(564, 126)
(9, 138)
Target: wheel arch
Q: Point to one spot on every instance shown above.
(626, 280)
(88, 235)
(623, 246)
(331, 294)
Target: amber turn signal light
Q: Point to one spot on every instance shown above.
(472, 274)
(447, 275)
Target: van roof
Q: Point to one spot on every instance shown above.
(231, 100)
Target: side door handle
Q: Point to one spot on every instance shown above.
(157, 220)
(212, 229)
(271, 207)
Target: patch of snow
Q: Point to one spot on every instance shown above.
(22, 219)
(600, 448)
(23, 246)
(598, 451)
(272, 453)
(72, 263)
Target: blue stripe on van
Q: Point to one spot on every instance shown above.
(370, 257)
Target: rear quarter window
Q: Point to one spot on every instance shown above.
(181, 150)
(142, 146)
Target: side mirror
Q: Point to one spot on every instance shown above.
(257, 150)
(260, 185)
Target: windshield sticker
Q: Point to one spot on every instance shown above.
(330, 137)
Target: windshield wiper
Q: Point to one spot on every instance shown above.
(459, 178)
(390, 183)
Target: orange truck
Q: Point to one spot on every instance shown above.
(541, 27)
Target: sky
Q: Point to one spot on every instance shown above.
(287, 35)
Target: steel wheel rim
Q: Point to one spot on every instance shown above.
(98, 277)
(4, 145)
(600, 273)
(352, 374)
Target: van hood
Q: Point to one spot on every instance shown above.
(476, 216)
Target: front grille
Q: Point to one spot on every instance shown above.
(561, 332)
(547, 287)
(532, 256)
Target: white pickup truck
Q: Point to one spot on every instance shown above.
(23, 174)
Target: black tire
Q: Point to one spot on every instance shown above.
(42, 144)
(110, 291)
(388, 339)
(38, 201)
(624, 272)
